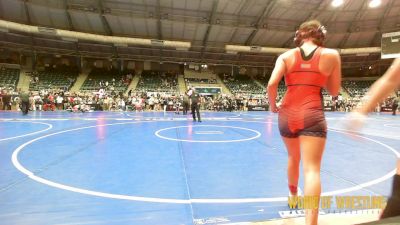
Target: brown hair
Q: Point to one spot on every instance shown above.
(310, 29)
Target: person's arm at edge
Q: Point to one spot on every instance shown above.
(276, 76)
(381, 88)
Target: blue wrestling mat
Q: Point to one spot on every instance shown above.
(154, 168)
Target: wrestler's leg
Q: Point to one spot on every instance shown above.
(312, 149)
(293, 148)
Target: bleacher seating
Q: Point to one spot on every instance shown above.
(193, 78)
(9, 78)
(60, 78)
(262, 79)
(155, 81)
(281, 89)
(241, 84)
(357, 88)
(200, 80)
(98, 78)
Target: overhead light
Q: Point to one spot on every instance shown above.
(374, 3)
(337, 3)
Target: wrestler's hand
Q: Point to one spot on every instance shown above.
(274, 108)
(354, 121)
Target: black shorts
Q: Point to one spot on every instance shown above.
(293, 124)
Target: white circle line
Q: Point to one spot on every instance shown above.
(394, 125)
(369, 183)
(14, 157)
(179, 201)
(49, 126)
(157, 133)
(209, 132)
(35, 119)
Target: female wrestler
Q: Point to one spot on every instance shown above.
(307, 69)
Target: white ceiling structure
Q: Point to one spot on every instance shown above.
(208, 24)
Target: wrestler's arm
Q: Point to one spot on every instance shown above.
(276, 77)
(382, 88)
(335, 78)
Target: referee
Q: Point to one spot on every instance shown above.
(195, 103)
(395, 104)
(24, 98)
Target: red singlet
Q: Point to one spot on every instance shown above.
(301, 112)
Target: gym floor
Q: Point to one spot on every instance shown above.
(163, 168)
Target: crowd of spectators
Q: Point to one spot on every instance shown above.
(107, 99)
(158, 91)
(58, 99)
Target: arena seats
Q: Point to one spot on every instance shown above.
(357, 88)
(61, 78)
(9, 77)
(194, 78)
(241, 84)
(156, 81)
(200, 80)
(102, 78)
(262, 79)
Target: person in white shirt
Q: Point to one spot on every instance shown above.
(37, 103)
(121, 104)
(151, 103)
(59, 102)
